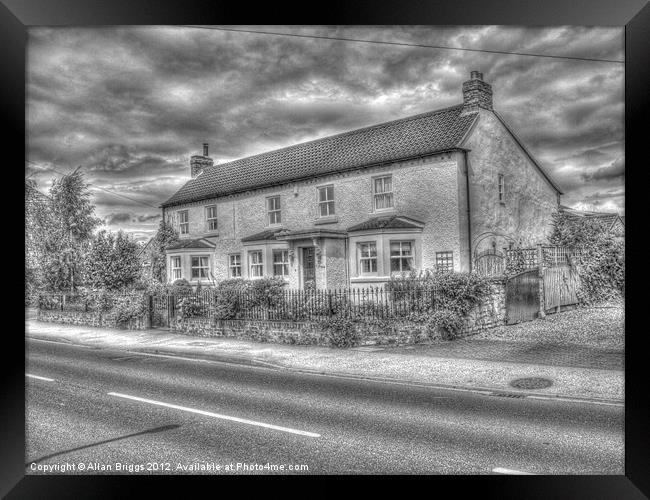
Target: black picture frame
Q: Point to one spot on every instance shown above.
(17, 15)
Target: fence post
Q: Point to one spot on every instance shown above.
(542, 298)
(150, 310)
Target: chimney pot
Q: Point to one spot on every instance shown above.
(475, 75)
(205, 149)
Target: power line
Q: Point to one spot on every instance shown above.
(404, 44)
(96, 186)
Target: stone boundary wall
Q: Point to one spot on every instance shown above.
(490, 314)
(94, 319)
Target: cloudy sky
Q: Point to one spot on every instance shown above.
(132, 104)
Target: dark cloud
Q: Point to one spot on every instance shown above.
(615, 170)
(118, 218)
(132, 104)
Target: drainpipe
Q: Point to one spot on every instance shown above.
(469, 213)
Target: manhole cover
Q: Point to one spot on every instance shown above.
(531, 383)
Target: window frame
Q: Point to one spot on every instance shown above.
(232, 266)
(210, 220)
(199, 267)
(370, 258)
(501, 182)
(174, 268)
(276, 211)
(326, 202)
(284, 262)
(445, 257)
(400, 257)
(259, 264)
(383, 193)
(183, 224)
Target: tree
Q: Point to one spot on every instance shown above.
(165, 236)
(69, 230)
(38, 218)
(111, 261)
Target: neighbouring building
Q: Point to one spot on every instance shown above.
(422, 192)
(610, 221)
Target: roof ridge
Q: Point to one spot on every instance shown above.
(340, 134)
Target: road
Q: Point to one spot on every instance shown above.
(132, 413)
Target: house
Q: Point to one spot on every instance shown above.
(145, 257)
(421, 192)
(609, 221)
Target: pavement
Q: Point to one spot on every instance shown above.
(576, 372)
(106, 411)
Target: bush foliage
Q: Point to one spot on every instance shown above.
(600, 261)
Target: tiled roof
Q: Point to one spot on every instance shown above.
(422, 134)
(269, 234)
(388, 222)
(187, 243)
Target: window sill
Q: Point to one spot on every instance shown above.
(331, 219)
(369, 279)
(383, 211)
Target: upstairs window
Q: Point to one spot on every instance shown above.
(273, 210)
(281, 263)
(368, 258)
(444, 261)
(256, 265)
(325, 201)
(234, 265)
(401, 256)
(383, 192)
(502, 188)
(176, 268)
(183, 222)
(200, 267)
(211, 217)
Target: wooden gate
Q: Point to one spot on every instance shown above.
(560, 286)
(522, 297)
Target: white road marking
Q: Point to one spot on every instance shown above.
(501, 470)
(39, 378)
(216, 415)
(590, 401)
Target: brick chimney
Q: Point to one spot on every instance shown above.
(476, 93)
(198, 163)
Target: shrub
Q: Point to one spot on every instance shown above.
(444, 324)
(235, 295)
(190, 307)
(181, 283)
(340, 332)
(128, 307)
(419, 295)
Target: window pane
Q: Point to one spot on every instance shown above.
(322, 194)
(330, 208)
(195, 261)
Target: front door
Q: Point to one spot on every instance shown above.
(308, 269)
